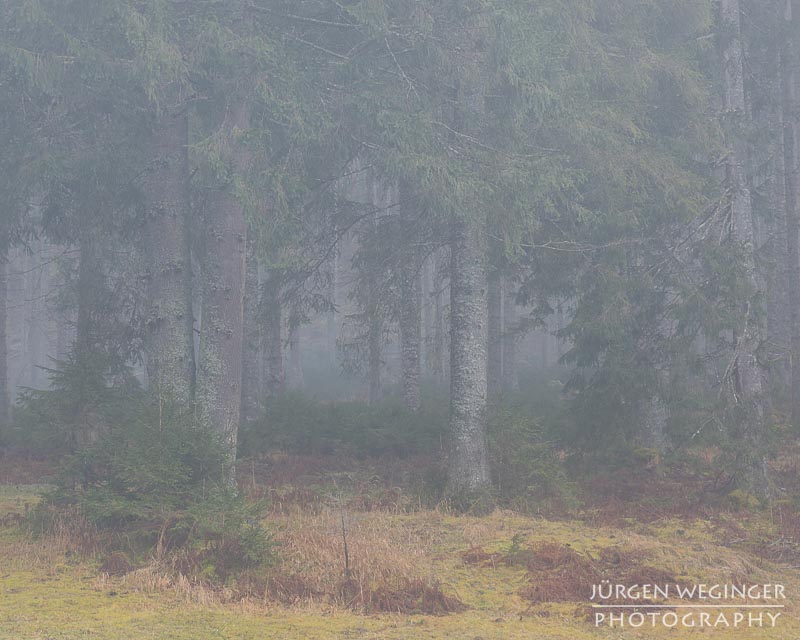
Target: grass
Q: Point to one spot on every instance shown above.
(491, 564)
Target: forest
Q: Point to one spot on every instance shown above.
(399, 318)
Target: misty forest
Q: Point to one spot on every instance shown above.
(395, 318)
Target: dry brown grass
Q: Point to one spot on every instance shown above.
(389, 564)
(68, 535)
(389, 568)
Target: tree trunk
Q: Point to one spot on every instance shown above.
(440, 324)
(274, 374)
(88, 286)
(494, 365)
(510, 337)
(219, 389)
(468, 467)
(778, 304)
(746, 374)
(654, 422)
(332, 321)
(791, 169)
(4, 390)
(654, 416)
(374, 359)
(426, 287)
(169, 340)
(410, 334)
(251, 352)
(374, 317)
(333, 291)
(296, 380)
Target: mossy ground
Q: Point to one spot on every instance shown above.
(50, 592)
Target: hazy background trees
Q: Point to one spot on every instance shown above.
(424, 200)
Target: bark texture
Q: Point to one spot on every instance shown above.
(411, 335)
(494, 363)
(219, 390)
(373, 308)
(332, 322)
(746, 378)
(791, 170)
(4, 390)
(778, 303)
(439, 347)
(251, 350)
(654, 416)
(274, 374)
(510, 337)
(168, 341)
(468, 467)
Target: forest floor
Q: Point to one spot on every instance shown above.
(502, 575)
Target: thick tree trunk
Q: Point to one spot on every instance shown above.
(251, 351)
(654, 423)
(510, 337)
(5, 395)
(494, 364)
(746, 374)
(169, 340)
(274, 374)
(468, 466)
(791, 174)
(410, 335)
(778, 307)
(219, 388)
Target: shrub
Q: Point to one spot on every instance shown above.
(526, 466)
(156, 481)
(148, 479)
(85, 393)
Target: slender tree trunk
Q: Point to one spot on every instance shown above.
(333, 291)
(332, 322)
(494, 365)
(296, 380)
(169, 341)
(791, 174)
(374, 358)
(654, 416)
(746, 374)
(468, 466)
(274, 376)
(426, 288)
(4, 390)
(374, 316)
(510, 337)
(440, 324)
(251, 352)
(86, 347)
(410, 335)
(89, 283)
(219, 389)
